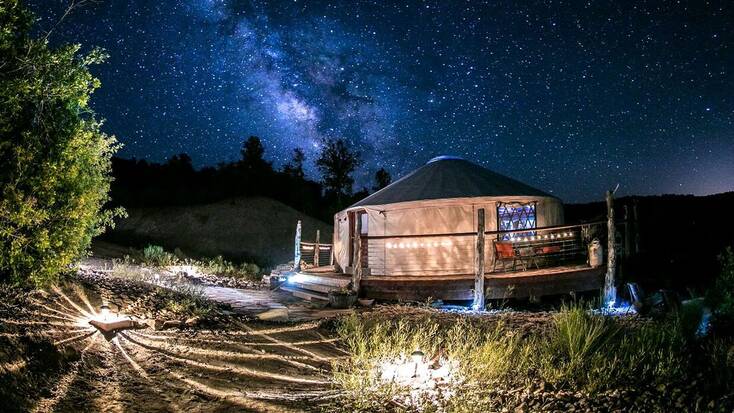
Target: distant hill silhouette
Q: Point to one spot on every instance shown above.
(681, 236)
(253, 229)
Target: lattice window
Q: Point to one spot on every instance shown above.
(515, 215)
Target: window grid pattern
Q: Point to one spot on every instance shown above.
(516, 215)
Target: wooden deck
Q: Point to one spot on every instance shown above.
(499, 285)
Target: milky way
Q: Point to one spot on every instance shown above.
(569, 97)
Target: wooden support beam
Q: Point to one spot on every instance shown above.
(357, 262)
(635, 227)
(479, 264)
(297, 253)
(610, 292)
(317, 252)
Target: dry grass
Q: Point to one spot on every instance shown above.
(576, 351)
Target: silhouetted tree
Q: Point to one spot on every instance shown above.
(294, 168)
(336, 164)
(253, 153)
(181, 163)
(382, 179)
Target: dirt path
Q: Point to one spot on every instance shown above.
(242, 366)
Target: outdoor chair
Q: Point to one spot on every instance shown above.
(505, 252)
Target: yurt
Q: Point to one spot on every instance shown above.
(422, 224)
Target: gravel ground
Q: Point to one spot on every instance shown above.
(53, 360)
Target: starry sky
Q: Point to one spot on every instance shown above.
(570, 97)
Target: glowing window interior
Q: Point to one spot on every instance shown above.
(515, 215)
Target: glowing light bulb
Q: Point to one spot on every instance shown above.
(104, 311)
(417, 356)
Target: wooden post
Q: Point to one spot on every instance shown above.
(635, 227)
(610, 292)
(316, 253)
(479, 264)
(357, 263)
(627, 233)
(297, 253)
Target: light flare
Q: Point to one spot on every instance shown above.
(228, 368)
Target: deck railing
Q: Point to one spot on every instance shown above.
(310, 256)
(514, 250)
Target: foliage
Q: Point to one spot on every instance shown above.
(56, 162)
(337, 163)
(579, 350)
(187, 299)
(156, 256)
(219, 266)
(252, 155)
(382, 179)
(721, 296)
(294, 167)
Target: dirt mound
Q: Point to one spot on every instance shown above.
(243, 228)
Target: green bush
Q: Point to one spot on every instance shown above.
(55, 174)
(155, 255)
(720, 298)
(219, 266)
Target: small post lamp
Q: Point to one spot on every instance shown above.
(417, 357)
(104, 311)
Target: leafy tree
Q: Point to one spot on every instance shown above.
(181, 163)
(253, 153)
(382, 179)
(294, 168)
(337, 164)
(55, 173)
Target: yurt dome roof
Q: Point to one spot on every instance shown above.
(449, 177)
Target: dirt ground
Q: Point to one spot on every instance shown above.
(53, 360)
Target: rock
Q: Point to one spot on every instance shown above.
(274, 314)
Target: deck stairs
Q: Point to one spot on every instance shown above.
(315, 286)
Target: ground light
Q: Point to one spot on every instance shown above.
(417, 357)
(416, 372)
(109, 325)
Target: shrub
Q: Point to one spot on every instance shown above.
(720, 297)
(219, 266)
(55, 174)
(186, 299)
(157, 256)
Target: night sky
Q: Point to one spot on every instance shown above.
(572, 98)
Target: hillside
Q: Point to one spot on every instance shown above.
(681, 236)
(256, 228)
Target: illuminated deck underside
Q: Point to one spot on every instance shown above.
(520, 284)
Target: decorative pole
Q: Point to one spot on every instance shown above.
(479, 264)
(316, 253)
(610, 291)
(297, 253)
